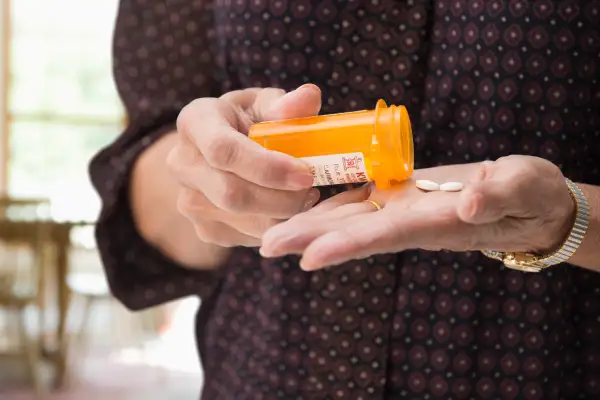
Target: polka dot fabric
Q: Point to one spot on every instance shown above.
(481, 79)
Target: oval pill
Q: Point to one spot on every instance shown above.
(428, 186)
(452, 186)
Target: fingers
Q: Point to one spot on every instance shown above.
(214, 125)
(254, 226)
(345, 233)
(433, 224)
(210, 228)
(220, 234)
(348, 197)
(364, 237)
(271, 103)
(302, 102)
(210, 124)
(497, 210)
(245, 188)
(386, 232)
(230, 193)
(292, 237)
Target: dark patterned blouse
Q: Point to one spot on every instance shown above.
(481, 79)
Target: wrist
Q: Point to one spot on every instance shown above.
(535, 262)
(563, 224)
(153, 202)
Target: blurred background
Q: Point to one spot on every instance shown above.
(61, 334)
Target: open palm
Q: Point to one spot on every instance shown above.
(499, 209)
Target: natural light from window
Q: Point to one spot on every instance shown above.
(63, 105)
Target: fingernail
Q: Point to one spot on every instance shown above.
(304, 266)
(310, 266)
(264, 252)
(309, 86)
(311, 199)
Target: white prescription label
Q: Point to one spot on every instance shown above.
(337, 169)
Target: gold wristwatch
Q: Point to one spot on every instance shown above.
(528, 262)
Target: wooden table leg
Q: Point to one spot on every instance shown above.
(62, 258)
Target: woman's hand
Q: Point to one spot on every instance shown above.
(231, 188)
(517, 203)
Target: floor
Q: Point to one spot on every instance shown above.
(162, 367)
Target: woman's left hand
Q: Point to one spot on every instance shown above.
(517, 203)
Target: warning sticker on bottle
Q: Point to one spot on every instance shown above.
(338, 169)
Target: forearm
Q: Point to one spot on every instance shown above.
(588, 254)
(153, 194)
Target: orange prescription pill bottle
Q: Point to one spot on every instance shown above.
(361, 146)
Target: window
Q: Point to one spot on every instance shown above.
(62, 102)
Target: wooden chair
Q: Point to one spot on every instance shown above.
(21, 266)
(23, 241)
(24, 209)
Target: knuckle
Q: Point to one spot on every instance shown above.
(218, 236)
(190, 203)
(231, 93)
(173, 164)
(241, 97)
(293, 204)
(211, 232)
(203, 233)
(184, 117)
(270, 94)
(527, 170)
(522, 181)
(190, 113)
(224, 242)
(275, 173)
(184, 202)
(182, 122)
(248, 225)
(222, 152)
(232, 96)
(271, 91)
(234, 198)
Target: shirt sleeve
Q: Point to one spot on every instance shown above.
(161, 61)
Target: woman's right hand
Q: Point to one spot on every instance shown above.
(232, 189)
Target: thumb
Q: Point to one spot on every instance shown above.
(302, 102)
(486, 202)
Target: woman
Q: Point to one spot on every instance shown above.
(187, 197)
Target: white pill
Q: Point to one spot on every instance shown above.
(428, 186)
(452, 187)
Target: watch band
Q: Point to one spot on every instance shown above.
(529, 262)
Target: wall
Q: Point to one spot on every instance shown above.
(3, 87)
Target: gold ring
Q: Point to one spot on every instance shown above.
(376, 204)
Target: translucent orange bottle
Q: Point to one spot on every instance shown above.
(362, 146)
